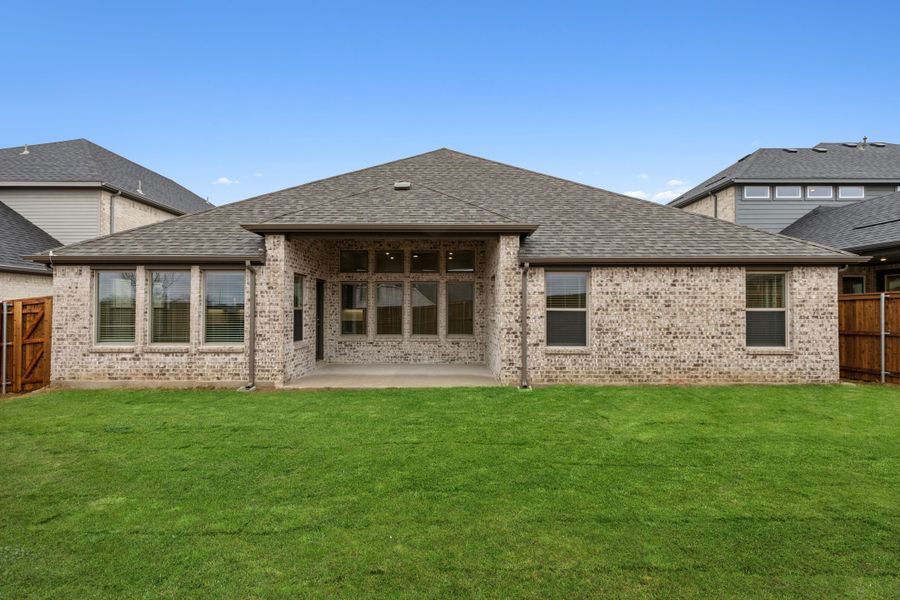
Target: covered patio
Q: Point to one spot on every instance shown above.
(395, 375)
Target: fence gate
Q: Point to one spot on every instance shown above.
(870, 336)
(25, 350)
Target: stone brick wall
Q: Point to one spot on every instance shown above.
(128, 213)
(723, 208)
(24, 285)
(686, 325)
(503, 353)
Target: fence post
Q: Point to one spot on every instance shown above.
(3, 353)
(883, 335)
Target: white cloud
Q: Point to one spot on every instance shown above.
(257, 174)
(668, 195)
(643, 176)
(676, 183)
(225, 181)
(637, 194)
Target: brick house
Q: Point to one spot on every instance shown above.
(445, 259)
(65, 192)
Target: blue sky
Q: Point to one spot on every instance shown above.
(648, 97)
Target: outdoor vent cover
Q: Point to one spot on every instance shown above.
(820, 149)
(402, 185)
(791, 150)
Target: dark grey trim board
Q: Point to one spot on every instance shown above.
(146, 259)
(700, 260)
(387, 227)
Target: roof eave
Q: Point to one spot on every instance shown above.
(521, 228)
(94, 184)
(694, 260)
(147, 258)
(684, 201)
(36, 270)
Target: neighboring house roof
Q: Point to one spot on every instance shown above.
(575, 223)
(840, 162)
(19, 236)
(82, 161)
(868, 224)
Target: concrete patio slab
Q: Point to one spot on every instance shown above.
(400, 376)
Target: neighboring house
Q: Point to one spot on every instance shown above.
(871, 228)
(73, 191)
(446, 258)
(773, 187)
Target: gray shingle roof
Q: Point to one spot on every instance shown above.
(85, 161)
(840, 161)
(870, 223)
(19, 236)
(575, 222)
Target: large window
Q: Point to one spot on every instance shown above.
(424, 308)
(115, 307)
(425, 262)
(355, 261)
(298, 307)
(460, 308)
(224, 297)
(766, 310)
(389, 309)
(353, 308)
(460, 261)
(892, 283)
(389, 261)
(756, 192)
(788, 192)
(170, 307)
(853, 284)
(566, 296)
(851, 192)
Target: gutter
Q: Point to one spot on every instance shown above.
(699, 260)
(70, 259)
(251, 342)
(387, 227)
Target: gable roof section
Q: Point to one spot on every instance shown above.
(839, 162)
(575, 222)
(19, 236)
(82, 161)
(384, 208)
(869, 224)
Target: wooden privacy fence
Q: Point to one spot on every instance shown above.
(870, 336)
(25, 344)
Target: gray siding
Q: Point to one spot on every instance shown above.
(69, 215)
(774, 215)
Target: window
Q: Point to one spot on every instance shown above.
(766, 310)
(353, 308)
(389, 262)
(460, 261)
(756, 192)
(354, 262)
(892, 283)
(224, 296)
(853, 284)
(115, 307)
(819, 192)
(424, 308)
(566, 297)
(851, 192)
(460, 308)
(298, 307)
(389, 309)
(425, 262)
(170, 307)
(788, 192)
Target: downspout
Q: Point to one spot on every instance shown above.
(3, 351)
(715, 205)
(251, 355)
(524, 383)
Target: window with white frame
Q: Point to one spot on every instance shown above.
(766, 310)
(851, 192)
(788, 192)
(566, 305)
(819, 192)
(170, 307)
(223, 295)
(756, 192)
(115, 307)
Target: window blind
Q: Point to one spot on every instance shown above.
(766, 310)
(460, 308)
(353, 308)
(224, 295)
(170, 317)
(566, 298)
(115, 307)
(389, 308)
(424, 308)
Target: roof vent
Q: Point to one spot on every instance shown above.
(849, 144)
(402, 185)
(791, 150)
(821, 150)
(25, 151)
(878, 144)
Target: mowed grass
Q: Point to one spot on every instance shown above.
(562, 492)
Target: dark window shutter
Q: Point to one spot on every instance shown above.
(766, 328)
(566, 328)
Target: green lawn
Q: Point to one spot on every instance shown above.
(562, 492)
